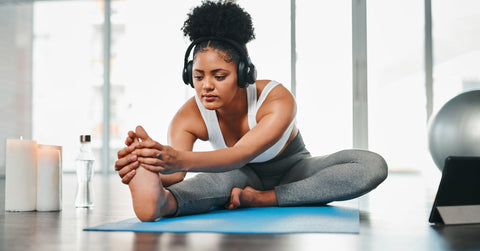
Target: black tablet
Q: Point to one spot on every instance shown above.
(459, 186)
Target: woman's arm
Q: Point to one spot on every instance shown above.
(150, 199)
(182, 139)
(275, 115)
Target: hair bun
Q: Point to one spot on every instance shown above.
(219, 19)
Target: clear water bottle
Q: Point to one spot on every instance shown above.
(85, 171)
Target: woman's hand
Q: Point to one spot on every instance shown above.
(127, 161)
(155, 156)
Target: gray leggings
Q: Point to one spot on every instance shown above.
(298, 179)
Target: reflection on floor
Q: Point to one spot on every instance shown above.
(392, 217)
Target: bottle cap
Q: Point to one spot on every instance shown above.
(84, 138)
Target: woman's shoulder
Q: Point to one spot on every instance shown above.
(278, 89)
(190, 106)
(189, 111)
(189, 118)
(260, 84)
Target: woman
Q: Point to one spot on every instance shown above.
(260, 158)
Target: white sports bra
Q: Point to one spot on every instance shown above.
(215, 135)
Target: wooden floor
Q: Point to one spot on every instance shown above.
(392, 217)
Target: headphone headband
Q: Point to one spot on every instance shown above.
(197, 41)
(246, 72)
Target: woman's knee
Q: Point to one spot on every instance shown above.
(378, 165)
(373, 164)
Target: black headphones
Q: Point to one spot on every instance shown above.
(246, 72)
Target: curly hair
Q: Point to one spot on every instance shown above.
(219, 19)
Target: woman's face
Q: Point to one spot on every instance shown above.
(214, 79)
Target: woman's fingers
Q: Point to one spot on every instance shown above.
(125, 151)
(150, 144)
(127, 162)
(147, 152)
(128, 177)
(153, 168)
(143, 150)
(124, 157)
(150, 161)
(124, 169)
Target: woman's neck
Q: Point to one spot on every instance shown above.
(237, 108)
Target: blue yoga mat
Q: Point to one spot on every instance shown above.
(266, 220)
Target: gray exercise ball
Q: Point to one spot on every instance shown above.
(455, 128)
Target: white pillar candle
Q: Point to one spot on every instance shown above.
(21, 175)
(49, 178)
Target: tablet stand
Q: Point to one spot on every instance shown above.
(466, 214)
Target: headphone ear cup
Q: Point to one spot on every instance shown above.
(251, 74)
(187, 73)
(241, 74)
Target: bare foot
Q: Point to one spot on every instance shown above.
(150, 199)
(249, 197)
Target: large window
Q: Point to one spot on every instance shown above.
(324, 74)
(396, 82)
(456, 47)
(53, 79)
(67, 75)
(147, 51)
(149, 60)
